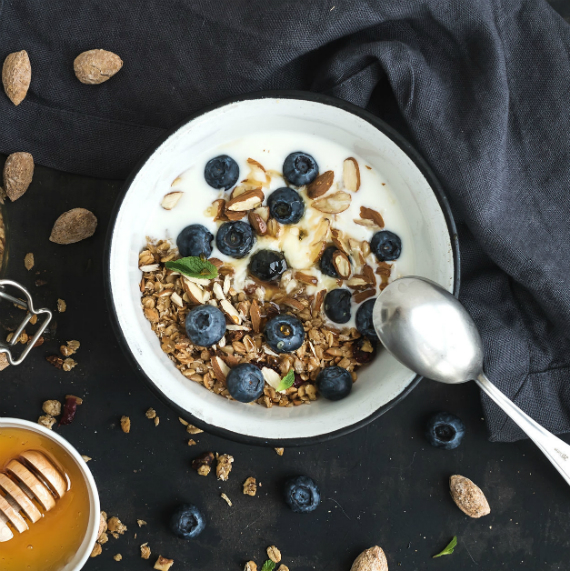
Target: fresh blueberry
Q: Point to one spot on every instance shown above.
(334, 383)
(205, 325)
(195, 240)
(235, 239)
(286, 205)
(302, 494)
(337, 305)
(300, 168)
(364, 319)
(284, 333)
(245, 382)
(326, 263)
(364, 350)
(267, 265)
(221, 172)
(386, 246)
(445, 430)
(187, 521)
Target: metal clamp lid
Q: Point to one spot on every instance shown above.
(29, 306)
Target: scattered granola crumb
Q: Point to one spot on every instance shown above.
(280, 451)
(69, 364)
(103, 538)
(250, 486)
(86, 458)
(118, 557)
(52, 407)
(156, 421)
(203, 463)
(163, 564)
(102, 525)
(191, 442)
(115, 525)
(61, 305)
(47, 421)
(125, 424)
(250, 566)
(191, 429)
(274, 554)
(78, 400)
(224, 466)
(70, 348)
(29, 261)
(4, 361)
(54, 360)
(141, 522)
(97, 550)
(226, 499)
(150, 413)
(182, 421)
(283, 567)
(145, 551)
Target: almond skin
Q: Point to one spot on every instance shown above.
(468, 497)
(96, 66)
(372, 559)
(73, 226)
(18, 174)
(351, 174)
(16, 76)
(320, 185)
(370, 214)
(257, 223)
(246, 201)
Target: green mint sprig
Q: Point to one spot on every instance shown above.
(268, 566)
(194, 267)
(449, 548)
(286, 382)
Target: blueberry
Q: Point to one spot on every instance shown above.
(195, 240)
(300, 168)
(284, 333)
(245, 382)
(364, 319)
(326, 264)
(221, 172)
(302, 494)
(286, 205)
(205, 325)
(187, 521)
(334, 383)
(386, 246)
(267, 265)
(444, 430)
(235, 239)
(337, 305)
(358, 350)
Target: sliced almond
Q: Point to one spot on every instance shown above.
(370, 224)
(255, 314)
(218, 291)
(26, 505)
(273, 228)
(322, 230)
(371, 214)
(194, 291)
(150, 268)
(340, 240)
(316, 251)
(13, 516)
(257, 223)
(217, 210)
(177, 299)
(356, 282)
(320, 185)
(341, 264)
(272, 378)
(230, 311)
(231, 215)
(47, 470)
(292, 302)
(306, 278)
(221, 370)
(360, 296)
(254, 164)
(319, 298)
(171, 199)
(232, 327)
(238, 191)
(263, 211)
(246, 201)
(368, 274)
(198, 281)
(32, 483)
(227, 284)
(351, 174)
(334, 203)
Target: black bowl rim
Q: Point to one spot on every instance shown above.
(400, 141)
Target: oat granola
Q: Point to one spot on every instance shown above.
(250, 486)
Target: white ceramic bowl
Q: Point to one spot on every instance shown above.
(381, 384)
(90, 538)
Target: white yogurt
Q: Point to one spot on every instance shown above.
(270, 149)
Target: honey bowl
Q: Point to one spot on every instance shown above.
(49, 505)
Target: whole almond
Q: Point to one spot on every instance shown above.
(16, 76)
(247, 201)
(333, 203)
(73, 226)
(372, 559)
(320, 185)
(351, 174)
(341, 264)
(18, 174)
(96, 66)
(469, 498)
(257, 223)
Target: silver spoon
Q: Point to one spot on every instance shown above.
(431, 333)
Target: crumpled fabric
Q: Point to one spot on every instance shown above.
(481, 89)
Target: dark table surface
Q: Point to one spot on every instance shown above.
(382, 485)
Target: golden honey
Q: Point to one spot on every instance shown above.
(50, 543)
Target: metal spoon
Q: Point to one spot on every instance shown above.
(430, 332)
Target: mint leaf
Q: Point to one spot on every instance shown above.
(448, 549)
(286, 382)
(194, 267)
(268, 565)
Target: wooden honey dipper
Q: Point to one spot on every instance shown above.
(29, 477)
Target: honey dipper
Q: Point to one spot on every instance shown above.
(28, 480)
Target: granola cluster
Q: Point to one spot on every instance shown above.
(167, 297)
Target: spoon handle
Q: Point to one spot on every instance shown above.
(556, 450)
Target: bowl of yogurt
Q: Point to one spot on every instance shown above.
(245, 256)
